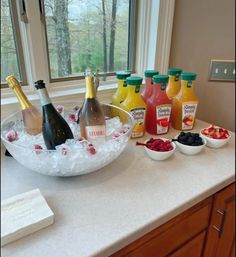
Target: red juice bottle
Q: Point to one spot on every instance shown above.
(147, 91)
(158, 107)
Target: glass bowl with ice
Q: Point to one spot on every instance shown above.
(76, 156)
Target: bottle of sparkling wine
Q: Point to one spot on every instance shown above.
(55, 129)
(92, 120)
(96, 84)
(32, 118)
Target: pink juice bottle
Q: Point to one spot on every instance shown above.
(147, 91)
(158, 107)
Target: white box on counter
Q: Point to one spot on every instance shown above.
(24, 214)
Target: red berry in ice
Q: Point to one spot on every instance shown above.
(115, 135)
(60, 108)
(38, 148)
(72, 117)
(91, 149)
(12, 135)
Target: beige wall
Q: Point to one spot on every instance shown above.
(204, 30)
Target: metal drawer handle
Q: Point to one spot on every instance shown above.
(216, 228)
(221, 228)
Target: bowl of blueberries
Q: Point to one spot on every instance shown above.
(189, 143)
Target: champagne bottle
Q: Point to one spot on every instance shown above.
(55, 129)
(96, 84)
(92, 120)
(32, 118)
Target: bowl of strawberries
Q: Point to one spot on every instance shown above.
(215, 136)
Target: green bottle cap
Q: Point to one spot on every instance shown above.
(174, 71)
(150, 73)
(122, 74)
(160, 78)
(188, 76)
(134, 81)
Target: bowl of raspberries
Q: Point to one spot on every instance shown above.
(190, 143)
(158, 148)
(215, 136)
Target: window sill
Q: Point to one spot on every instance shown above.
(9, 98)
(9, 102)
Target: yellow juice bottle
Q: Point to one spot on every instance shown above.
(184, 105)
(173, 85)
(121, 91)
(135, 105)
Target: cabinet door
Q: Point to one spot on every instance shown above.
(173, 235)
(192, 248)
(221, 232)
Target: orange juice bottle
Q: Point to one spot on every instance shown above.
(122, 89)
(135, 105)
(173, 85)
(147, 91)
(185, 103)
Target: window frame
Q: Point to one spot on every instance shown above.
(18, 44)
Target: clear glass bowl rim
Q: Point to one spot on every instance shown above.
(53, 151)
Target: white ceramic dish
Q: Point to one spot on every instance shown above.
(214, 143)
(188, 149)
(159, 156)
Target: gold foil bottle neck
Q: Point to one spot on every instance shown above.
(12, 81)
(14, 84)
(90, 88)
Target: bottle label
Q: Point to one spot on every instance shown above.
(139, 115)
(188, 114)
(124, 83)
(44, 98)
(96, 133)
(163, 118)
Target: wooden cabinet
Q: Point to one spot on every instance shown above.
(205, 230)
(193, 248)
(220, 241)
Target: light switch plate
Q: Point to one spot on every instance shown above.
(222, 70)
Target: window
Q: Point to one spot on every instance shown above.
(12, 61)
(84, 26)
(92, 34)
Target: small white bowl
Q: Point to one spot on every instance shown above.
(214, 143)
(157, 155)
(189, 149)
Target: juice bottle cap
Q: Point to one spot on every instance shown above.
(150, 73)
(174, 71)
(122, 74)
(160, 78)
(134, 81)
(188, 76)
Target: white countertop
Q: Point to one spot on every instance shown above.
(100, 213)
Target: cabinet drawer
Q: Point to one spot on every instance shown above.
(164, 240)
(193, 248)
